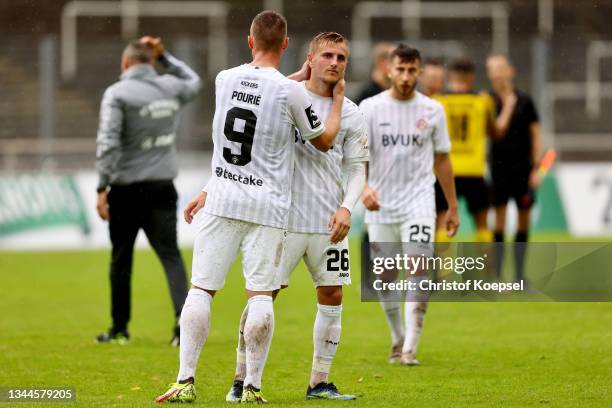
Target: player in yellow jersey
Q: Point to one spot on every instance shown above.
(471, 119)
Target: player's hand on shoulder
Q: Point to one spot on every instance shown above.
(193, 206)
(452, 222)
(339, 225)
(369, 197)
(303, 74)
(102, 206)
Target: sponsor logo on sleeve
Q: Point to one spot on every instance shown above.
(313, 119)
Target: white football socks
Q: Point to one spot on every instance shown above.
(326, 336)
(195, 326)
(415, 316)
(393, 312)
(258, 330)
(241, 349)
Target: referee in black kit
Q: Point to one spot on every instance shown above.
(514, 158)
(136, 163)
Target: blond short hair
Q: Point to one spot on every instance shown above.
(326, 38)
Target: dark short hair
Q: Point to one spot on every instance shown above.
(462, 66)
(269, 30)
(406, 53)
(436, 62)
(138, 52)
(327, 37)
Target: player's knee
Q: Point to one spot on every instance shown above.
(329, 295)
(210, 292)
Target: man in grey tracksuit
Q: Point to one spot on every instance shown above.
(136, 163)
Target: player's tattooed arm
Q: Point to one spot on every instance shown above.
(444, 172)
(325, 140)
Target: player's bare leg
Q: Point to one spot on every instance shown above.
(326, 337)
(500, 227)
(520, 246)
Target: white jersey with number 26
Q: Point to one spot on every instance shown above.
(317, 189)
(257, 112)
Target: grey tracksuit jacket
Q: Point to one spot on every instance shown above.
(139, 120)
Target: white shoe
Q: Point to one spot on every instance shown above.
(409, 359)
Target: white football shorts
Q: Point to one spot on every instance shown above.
(217, 243)
(416, 235)
(327, 263)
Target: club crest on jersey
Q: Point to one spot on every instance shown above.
(313, 119)
(421, 124)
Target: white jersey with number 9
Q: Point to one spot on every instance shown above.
(257, 112)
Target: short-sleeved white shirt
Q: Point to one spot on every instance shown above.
(404, 136)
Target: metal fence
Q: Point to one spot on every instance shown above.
(52, 81)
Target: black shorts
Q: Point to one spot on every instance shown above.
(512, 184)
(473, 189)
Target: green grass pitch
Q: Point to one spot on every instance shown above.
(473, 355)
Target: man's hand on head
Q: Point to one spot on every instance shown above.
(155, 44)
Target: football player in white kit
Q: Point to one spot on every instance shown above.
(320, 214)
(257, 112)
(408, 142)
